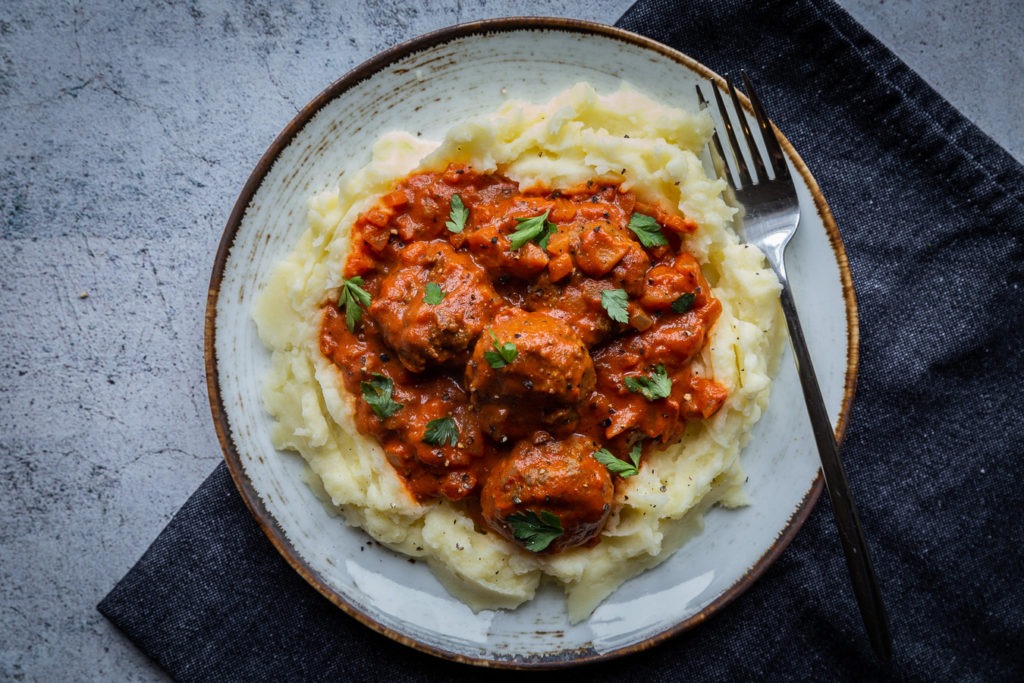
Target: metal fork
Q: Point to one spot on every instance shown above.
(771, 219)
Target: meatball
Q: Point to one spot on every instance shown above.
(437, 333)
(558, 477)
(551, 362)
(550, 374)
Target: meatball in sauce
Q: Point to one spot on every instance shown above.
(561, 477)
(424, 332)
(552, 373)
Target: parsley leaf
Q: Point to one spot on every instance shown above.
(353, 299)
(653, 387)
(620, 467)
(551, 230)
(377, 393)
(457, 215)
(635, 452)
(537, 532)
(537, 228)
(647, 230)
(441, 430)
(433, 294)
(503, 353)
(683, 303)
(616, 302)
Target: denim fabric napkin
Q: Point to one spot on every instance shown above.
(932, 215)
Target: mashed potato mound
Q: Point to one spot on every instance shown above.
(578, 135)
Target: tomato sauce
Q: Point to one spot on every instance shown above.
(509, 338)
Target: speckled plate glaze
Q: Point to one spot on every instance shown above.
(426, 86)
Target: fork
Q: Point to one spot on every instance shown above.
(771, 219)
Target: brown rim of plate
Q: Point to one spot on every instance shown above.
(250, 496)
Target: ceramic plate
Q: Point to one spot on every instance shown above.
(426, 86)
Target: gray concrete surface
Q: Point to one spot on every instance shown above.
(127, 131)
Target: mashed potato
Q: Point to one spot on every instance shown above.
(579, 135)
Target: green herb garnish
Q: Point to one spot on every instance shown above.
(377, 393)
(537, 228)
(683, 303)
(550, 230)
(537, 532)
(457, 216)
(635, 452)
(620, 467)
(616, 302)
(502, 355)
(441, 430)
(647, 230)
(652, 387)
(353, 299)
(433, 294)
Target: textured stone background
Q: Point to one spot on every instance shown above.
(127, 132)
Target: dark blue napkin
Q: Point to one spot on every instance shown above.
(932, 215)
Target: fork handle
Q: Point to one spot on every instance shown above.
(858, 561)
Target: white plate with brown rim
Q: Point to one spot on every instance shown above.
(426, 86)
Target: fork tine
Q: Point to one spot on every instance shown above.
(737, 154)
(771, 142)
(755, 153)
(719, 154)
